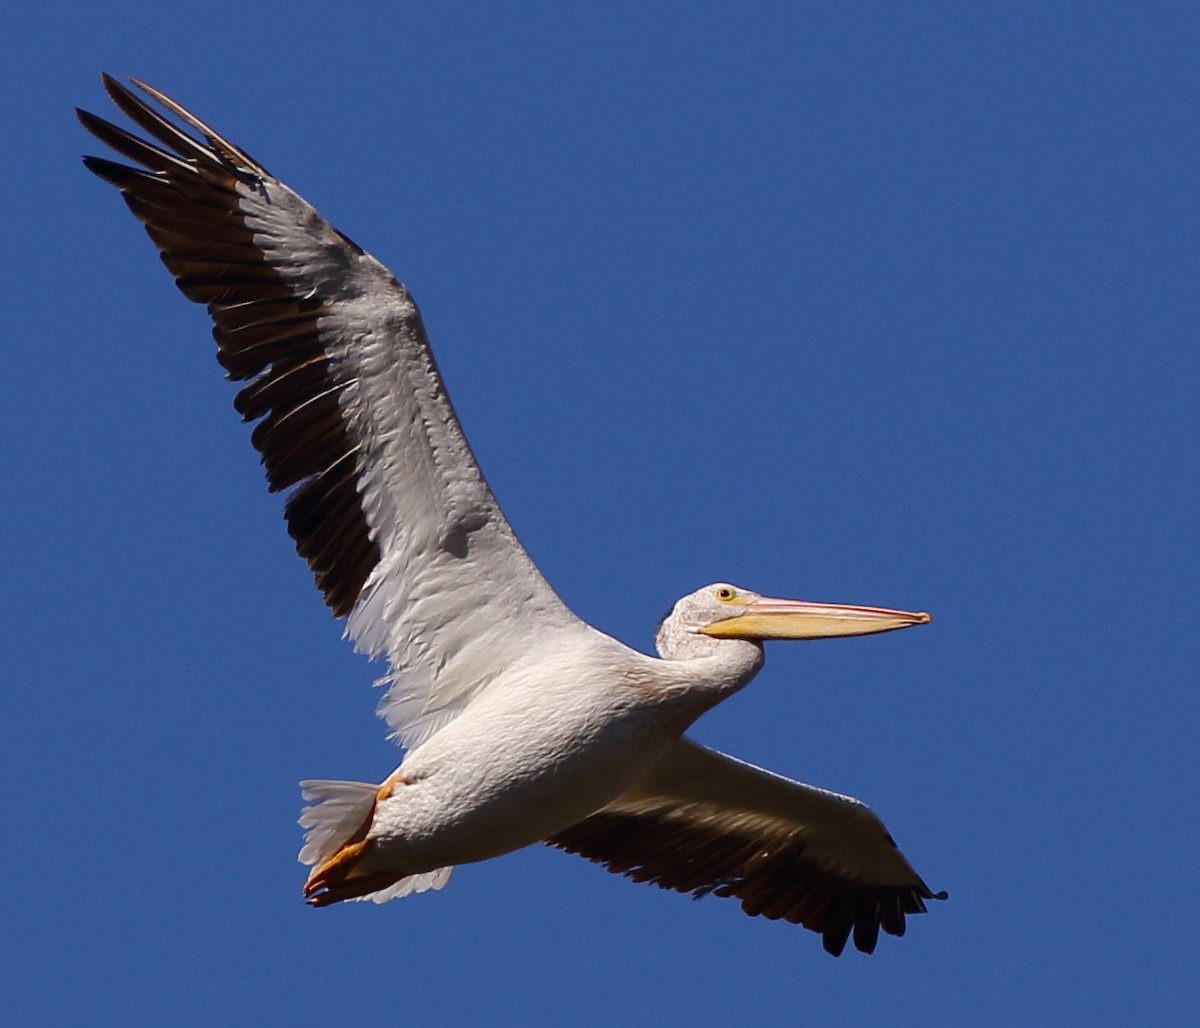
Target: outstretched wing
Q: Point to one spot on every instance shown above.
(703, 823)
(387, 504)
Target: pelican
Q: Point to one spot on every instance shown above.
(520, 723)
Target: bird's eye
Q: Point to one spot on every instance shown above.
(725, 594)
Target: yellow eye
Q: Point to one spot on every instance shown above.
(725, 594)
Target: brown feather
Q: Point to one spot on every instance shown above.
(189, 195)
(770, 875)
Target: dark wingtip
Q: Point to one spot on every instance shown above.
(92, 122)
(112, 85)
(833, 943)
(110, 171)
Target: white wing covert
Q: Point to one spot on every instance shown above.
(702, 822)
(388, 505)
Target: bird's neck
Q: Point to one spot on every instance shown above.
(713, 669)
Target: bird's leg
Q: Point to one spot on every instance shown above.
(334, 879)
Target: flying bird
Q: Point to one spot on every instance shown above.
(520, 722)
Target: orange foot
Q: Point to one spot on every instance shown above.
(340, 877)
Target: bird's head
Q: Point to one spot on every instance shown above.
(724, 611)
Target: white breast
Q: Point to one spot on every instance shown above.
(555, 740)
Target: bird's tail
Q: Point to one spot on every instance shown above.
(336, 822)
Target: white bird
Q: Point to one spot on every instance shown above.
(521, 723)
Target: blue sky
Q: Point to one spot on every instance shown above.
(886, 304)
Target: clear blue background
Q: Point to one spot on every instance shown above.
(879, 303)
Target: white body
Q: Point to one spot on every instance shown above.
(558, 737)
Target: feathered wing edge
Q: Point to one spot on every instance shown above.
(272, 330)
(387, 504)
(705, 823)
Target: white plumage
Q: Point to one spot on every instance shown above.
(521, 722)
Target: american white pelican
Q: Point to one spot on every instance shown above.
(521, 723)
